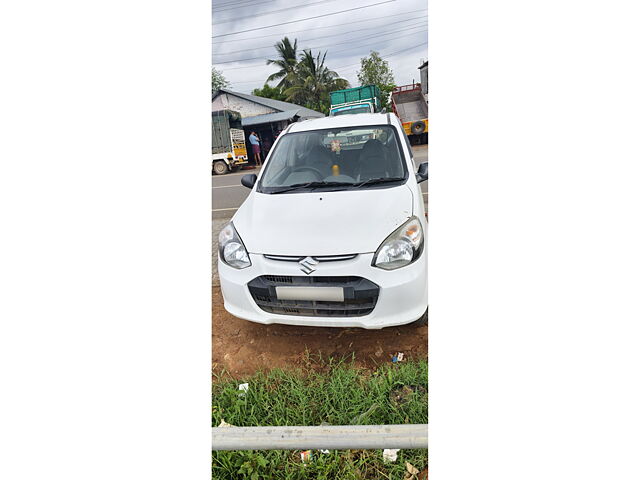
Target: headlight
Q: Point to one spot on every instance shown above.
(402, 247)
(231, 248)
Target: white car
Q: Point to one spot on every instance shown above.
(333, 232)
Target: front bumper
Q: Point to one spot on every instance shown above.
(402, 294)
(238, 162)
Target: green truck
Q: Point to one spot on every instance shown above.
(364, 99)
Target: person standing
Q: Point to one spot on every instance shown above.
(255, 146)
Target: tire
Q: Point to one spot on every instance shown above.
(424, 320)
(220, 168)
(418, 128)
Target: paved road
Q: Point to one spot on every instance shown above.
(228, 194)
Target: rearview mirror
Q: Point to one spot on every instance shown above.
(423, 172)
(249, 180)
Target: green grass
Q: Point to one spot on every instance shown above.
(335, 394)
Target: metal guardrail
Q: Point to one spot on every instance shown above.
(341, 437)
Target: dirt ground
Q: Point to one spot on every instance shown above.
(241, 347)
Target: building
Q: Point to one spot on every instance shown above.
(265, 116)
(424, 77)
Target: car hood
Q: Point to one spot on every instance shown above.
(322, 223)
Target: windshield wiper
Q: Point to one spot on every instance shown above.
(378, 181)
(331, 184)
(347, 185)
(311, 185)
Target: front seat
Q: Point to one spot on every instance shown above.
(373, 161)
(320, 159)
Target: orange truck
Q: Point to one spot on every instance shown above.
(410, 106)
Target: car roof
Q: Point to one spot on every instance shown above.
(347, 120)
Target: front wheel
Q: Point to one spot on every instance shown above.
(220, 168)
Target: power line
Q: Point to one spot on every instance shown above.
(360, 46)
(249, 3)
(366, 37)
(281, 10)
(328, 36)
(304, 19)
(343, 66)
(232, 5)
(334, 51)
(384, 56)
(350, 65)
(315, 28)
(222, 4)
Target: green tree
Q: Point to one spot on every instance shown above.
(269, 92)
(313, 81)
(287, 61)
(217, 81)
(374, 70)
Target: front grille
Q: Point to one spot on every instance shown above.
(360, 296)
(321, 258)
(279, 279)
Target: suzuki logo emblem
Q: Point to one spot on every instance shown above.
(307, 265)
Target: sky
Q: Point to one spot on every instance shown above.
(397, 28)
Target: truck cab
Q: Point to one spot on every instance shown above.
(364, 99)
(351, 108)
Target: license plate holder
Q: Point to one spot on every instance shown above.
(319, 294)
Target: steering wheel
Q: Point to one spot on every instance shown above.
(311, 169)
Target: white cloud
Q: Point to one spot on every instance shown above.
(397, 28)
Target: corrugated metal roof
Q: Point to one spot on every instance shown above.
(275, 104)
(269, 117)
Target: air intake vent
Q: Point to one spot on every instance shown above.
(360, 296)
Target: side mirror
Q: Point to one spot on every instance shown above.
(249, 180)
(423, 172)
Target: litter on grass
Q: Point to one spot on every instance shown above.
(225, 424)
(390, 454)
(412, 472)
(243, 387)
(306, 456)
(398, 357)
(324, 451)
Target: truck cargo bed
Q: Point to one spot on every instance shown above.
(411, 106)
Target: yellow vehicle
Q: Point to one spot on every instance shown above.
(228, 148)
(410, 106)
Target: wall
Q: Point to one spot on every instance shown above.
(245, 107)
(424, 79)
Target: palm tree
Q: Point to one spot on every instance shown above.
(287, 62)
(313, 81)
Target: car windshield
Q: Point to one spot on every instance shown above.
(351, 110)
(335, 159)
